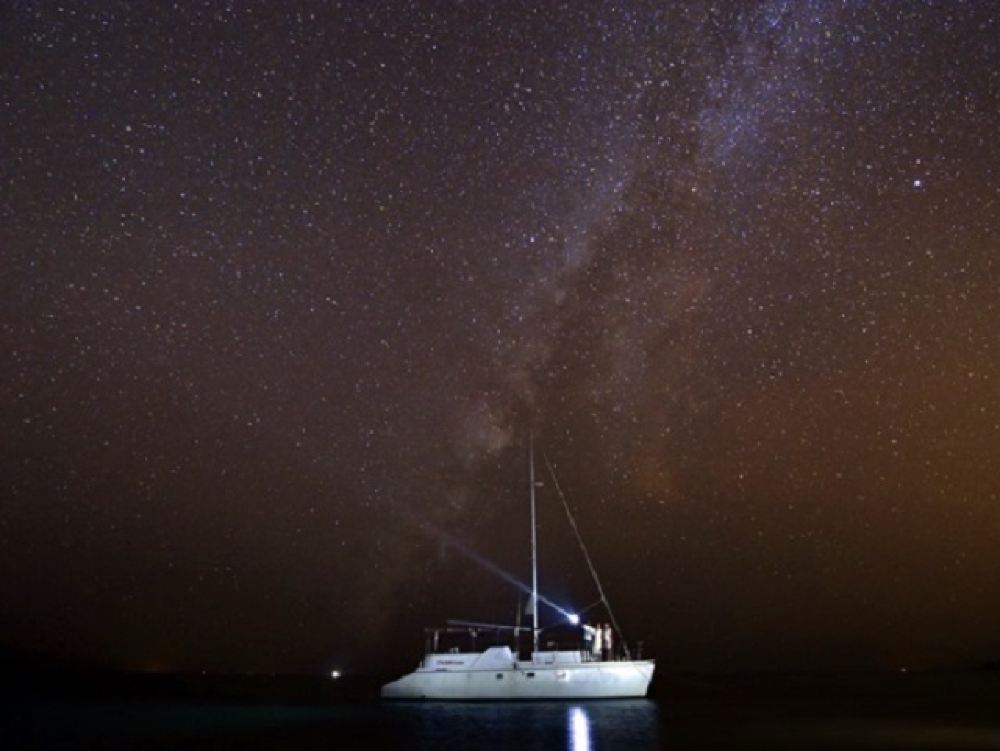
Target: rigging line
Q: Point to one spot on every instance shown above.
(586, 554)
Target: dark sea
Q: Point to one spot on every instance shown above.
(857, 711)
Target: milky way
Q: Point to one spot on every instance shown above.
(284, 288)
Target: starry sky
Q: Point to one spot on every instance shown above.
(285, 286)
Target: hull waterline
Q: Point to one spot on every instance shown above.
(596, 680)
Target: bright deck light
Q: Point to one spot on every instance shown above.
(573, 618)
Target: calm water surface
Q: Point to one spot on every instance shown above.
(936, 712)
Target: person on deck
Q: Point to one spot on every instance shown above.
(608, 641)
(598, 637)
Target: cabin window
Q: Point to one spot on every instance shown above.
(530, 675)
(499, 676)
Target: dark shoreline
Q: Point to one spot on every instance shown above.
(54, 680)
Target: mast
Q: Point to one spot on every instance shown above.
(534, 549)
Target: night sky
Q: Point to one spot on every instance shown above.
(285, 287)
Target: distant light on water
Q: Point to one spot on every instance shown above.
(579, 729)
(335, 674)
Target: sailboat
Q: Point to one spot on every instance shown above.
(498, 673)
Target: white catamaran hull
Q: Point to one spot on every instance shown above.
(592, 680)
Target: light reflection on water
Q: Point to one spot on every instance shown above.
(414, 726)
(579, 726)
(579, 729)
